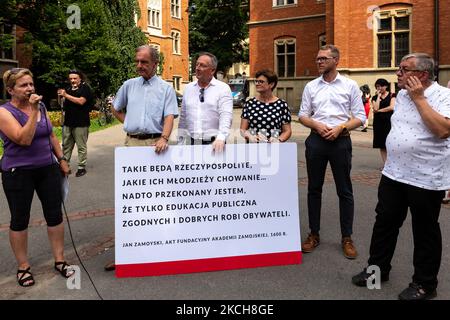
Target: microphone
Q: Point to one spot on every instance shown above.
(41, 104)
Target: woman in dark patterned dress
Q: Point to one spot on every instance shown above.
(266, 118)
(383, 108)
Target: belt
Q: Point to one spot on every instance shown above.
(343, 134)
(144, 136)
(202, 141)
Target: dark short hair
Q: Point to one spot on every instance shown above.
(270, 75)
(365, 88)
(75, 71)
(382, 82)
(334, 50)
(78, 72)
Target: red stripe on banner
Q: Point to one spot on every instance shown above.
(205, 265)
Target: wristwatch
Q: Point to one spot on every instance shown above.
(165, 137)
(62, 158)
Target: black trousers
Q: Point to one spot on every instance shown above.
(394, 199)
(19, 186)
(339, 153)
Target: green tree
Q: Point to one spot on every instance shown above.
(220, 27)
(102, 48)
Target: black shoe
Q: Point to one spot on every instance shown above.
(360, 279)
(80, 172)
(417, 292)
(364, 130)
(111, 266)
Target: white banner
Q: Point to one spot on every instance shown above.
(190, 204)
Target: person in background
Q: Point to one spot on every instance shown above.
(207, 107)
(331, 107)
(266, 118)
(415, 177)
(365, 95)
(32, 161)
(383, 108)
(78, 99)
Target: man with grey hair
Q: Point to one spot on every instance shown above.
(147, 106)
(207, 107)
(150, 104)
(416, 175)
(331, 107)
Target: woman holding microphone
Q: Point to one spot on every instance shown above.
(32, 161)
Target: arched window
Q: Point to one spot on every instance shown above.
(392, 36)
(285, 53)
(175, 42)
(175, 8)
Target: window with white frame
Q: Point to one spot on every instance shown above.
(176, 83)
(285, 57)
(7, 30)
(322, 40)
(154, 17)
(156, 46)
(176, 41)
(392, 37)
(175, 8)
(279, 3)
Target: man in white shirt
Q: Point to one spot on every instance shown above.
(416, 175)
(207, 107)
(331, 107)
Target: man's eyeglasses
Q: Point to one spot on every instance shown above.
(323, 59)
(402, 70)
(260, 81)
(202, 95)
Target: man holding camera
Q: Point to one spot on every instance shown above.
(77, 105)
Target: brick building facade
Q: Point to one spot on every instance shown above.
(18, 55)
(372, 36)
(166, 24)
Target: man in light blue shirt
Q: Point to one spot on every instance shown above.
(147, 105)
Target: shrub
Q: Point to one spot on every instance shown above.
(56, 117)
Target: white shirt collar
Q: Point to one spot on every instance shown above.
(338, 78)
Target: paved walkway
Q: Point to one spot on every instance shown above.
(325, 274)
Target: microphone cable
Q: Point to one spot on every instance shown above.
(41, 104)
